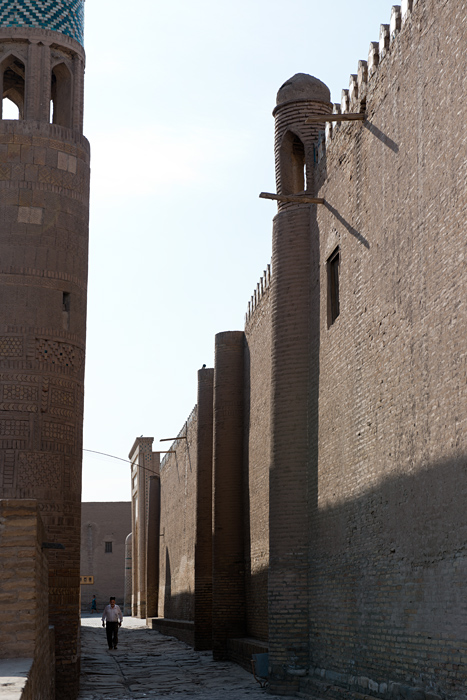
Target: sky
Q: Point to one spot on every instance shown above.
(178, 103)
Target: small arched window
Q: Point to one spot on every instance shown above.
(61, 96)
(12, 82)
(292, 164)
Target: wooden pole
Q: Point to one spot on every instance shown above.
(350, 117)
(299, 198)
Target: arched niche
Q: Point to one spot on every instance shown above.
(12, 82)
(61, 96)
(292, 164)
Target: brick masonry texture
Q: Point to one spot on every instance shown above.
(204, 504)
(24, 626)
(388, 542)
(347, 512)
(178, 526)
(228, 583)
(257, 439)
(44, 211)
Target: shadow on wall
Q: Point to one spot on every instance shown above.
(179, 606)
(389, 572)
(168, 583)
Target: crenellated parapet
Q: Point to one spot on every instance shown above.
(262, 288)
(353, 98)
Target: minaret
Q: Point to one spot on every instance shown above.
(294, 383)
(44, 212)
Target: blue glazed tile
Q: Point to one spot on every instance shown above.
(65, 16)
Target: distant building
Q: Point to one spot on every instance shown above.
(104, 529)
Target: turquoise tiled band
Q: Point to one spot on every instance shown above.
(65, 16)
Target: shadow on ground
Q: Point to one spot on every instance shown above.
(149, 665)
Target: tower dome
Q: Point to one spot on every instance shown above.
(64, 16)
(303, 87)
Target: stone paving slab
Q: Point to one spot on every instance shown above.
(149, 665)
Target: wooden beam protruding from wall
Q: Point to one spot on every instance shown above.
(298, 198)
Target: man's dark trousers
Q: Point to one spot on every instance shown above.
(111, 629)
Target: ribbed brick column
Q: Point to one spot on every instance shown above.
(153, 542)
(294, 380)
(203, 546)
(228, 597)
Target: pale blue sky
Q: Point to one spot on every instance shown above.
(178, 109)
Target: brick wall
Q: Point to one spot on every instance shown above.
(178, 526)
(24, 626)
(354, 486)
(388, 565)
(257, 440)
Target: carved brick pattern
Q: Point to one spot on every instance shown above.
(11, 347)
(64, 383)
(8, 469)
(14, 428)
(68, 474)
(19, 392)
(52, 508)
(23, 378)
(45, 395)
(75, 473)
(62, 413)
(58, 431)
(55, 277)
(55, 447)
(62, 354)
(39, 470)
(30, 408)
(62, 398)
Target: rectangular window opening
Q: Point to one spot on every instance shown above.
(332, 265)
(66, 310)
(66, 301)
(108, 547)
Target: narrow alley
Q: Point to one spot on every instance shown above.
(150, 665)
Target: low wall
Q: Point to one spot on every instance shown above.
(241, 651)
(26, 642)
(184, 630)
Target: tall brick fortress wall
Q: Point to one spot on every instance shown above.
(388, 559)
(44, 209)
(354, 387)
(256, 460)
(178, 531)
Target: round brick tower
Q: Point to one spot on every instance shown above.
(295, 357)
(44, 211)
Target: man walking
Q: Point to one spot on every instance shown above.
(112, 619)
